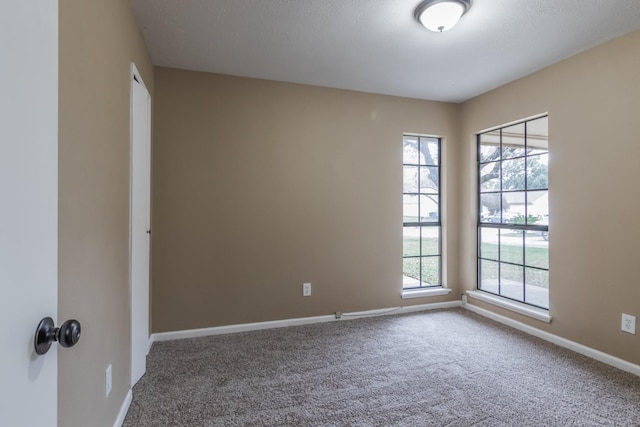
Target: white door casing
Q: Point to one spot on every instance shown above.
(28, 209)
(140, 223)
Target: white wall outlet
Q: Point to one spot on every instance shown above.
(306, 289)
(629, 323)
(464, 299)
(107, 381)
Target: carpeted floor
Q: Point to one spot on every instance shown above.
(439, 368)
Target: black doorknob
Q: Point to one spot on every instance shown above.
(67, 335)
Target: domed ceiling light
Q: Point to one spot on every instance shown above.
(441, 15)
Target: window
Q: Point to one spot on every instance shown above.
(421, 212)
(513, 215)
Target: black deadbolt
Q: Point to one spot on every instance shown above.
(67, 335)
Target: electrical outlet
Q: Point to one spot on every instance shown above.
(464, 299)
(306, 289)
(628, 323)
(107, 381)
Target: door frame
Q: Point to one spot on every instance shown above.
(137, 77)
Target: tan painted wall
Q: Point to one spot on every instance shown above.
(98, 40)
(260, 186)
(593, 100)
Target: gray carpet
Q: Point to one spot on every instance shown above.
(439, 368)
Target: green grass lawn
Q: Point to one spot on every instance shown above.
(411, 246)
(430, 264)
(533, 256)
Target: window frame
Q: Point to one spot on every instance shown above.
(543, 229)
(420, 223)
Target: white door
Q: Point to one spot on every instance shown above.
(28, 208)
(140, 224)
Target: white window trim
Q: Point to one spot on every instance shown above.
(518, 307)
(428, 292)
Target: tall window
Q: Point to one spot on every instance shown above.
(513, 215)
(421, 212)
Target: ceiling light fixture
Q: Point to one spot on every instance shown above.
(441, 15)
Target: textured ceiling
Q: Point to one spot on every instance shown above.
(376, 45)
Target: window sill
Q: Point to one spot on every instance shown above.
(524, 309)
(419, 293)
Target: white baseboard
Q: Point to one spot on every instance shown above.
(562, 342)
(243, 327)
(124, 409)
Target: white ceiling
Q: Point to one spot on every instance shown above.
(376, 45)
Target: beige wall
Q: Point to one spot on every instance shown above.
(260, 186)
(98, 40)
(593, 100)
